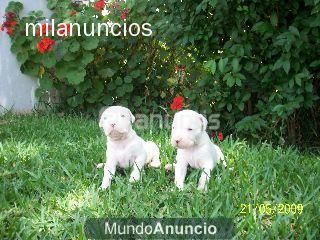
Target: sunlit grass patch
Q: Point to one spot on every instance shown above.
(49, 183)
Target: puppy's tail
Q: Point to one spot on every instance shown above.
(153, 154)
(220, 156)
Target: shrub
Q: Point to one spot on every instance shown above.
(255, 63)
(91, 72)
(261, 63)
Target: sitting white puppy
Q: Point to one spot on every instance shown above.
(195, 148)
(124, 147)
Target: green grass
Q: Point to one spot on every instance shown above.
(49, 183)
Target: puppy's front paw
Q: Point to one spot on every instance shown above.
(105, 185)
(155, 164)
(202, 188)
(180, 186)
(134, 178)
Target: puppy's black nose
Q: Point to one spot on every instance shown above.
(113, 124)
(177, 141)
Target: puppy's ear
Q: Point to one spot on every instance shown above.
(100, 115)
(204, 122)
(101, 121)
(131, 116)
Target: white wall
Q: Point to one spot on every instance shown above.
(16, 90)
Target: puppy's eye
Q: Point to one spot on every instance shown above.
(104, 118)
(122, 116)
(190, 129)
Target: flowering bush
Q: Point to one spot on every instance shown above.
(255, 64)
(91, 72)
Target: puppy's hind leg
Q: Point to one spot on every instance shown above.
(204, 179)
(137, 168)
(170, 167)
(153, 154)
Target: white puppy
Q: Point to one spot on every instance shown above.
(124, 147)
(195, 148)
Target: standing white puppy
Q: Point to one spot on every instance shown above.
(195, 148)
(124, 147)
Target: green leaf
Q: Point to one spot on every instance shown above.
(222, 64)
(137, 101)
(315, 63)
(75, 100)
(263, 28)
(211, 65)
(286, 66)
(309, 87)
(45, 82)
(135, 73)
(69, 70)
(240, 106)
(297, 80)
(230, 79)
(274, 19)
(13, 6)
(87, 58)
(106, 73)
(62, 48)
(294, 31)
(246, 97)
(118, 81)
(76, 76)
(128, 87)
(127, 79)
(22, 57)
(74, 46)
(49, 60)
(213, 3)
(120, 91)
(229, 107)
(277, 64)
(52, 4)
(235, 65)
(69, 56)
(238, 82)
(107, 100)
(291, 83)
(90, 43)
(30, 68)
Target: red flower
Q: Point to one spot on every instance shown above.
(180, 67)
(73, 12)
(12, 23)
(9, 25)
(62, 29)
(9, 31)
(45, 45)
(124, 13)
(10, 15)
(220, 136)
(99, 5)
(45, 30)
(177, 103)
(123, 16)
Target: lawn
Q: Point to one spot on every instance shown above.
(49, 183)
